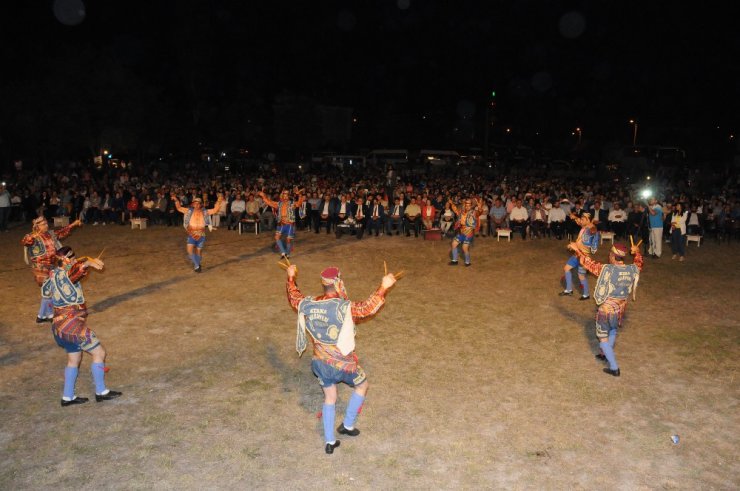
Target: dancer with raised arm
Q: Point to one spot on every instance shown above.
(41, 246)
(588, 243)
(330, 320)
(466, 227)
(616, 281)
(70, 325)
(195, 221)
(285, 211)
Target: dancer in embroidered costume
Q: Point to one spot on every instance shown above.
(467, 226)
(588, 243)
(329, 319)
(41, 247)
(195, 222)
(616, 281)
(70, 325)
(285, 211)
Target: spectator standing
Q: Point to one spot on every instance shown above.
(655, 219)
(4, 208)
(678, 232)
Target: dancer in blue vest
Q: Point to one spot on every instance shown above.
(329, 319)
(588, 243)
(70, 325)
(616, 281)
(195, 222)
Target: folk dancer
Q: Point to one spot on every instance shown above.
(616, 281)
(588, 242)
(195, 221)
(70, 325)
(41, 247)
(285, 211)
(330, 320)
(467, 226)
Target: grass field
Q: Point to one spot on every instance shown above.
(480, 377)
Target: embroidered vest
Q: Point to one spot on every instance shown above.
(468, 222)
(615, 281)
(324, 318)
(206, 217)
(286, 212)
(61, 289)
(588, 240)
(38, 248)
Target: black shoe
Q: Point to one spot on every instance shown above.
(584, 297)
(467, 265)
(197, 270)
(331, 446)
(112, 394)
(453, 263)
(600, 357)
(41, 320)
(76, 400)
(344, 431)
(566, 293)
(615, 373)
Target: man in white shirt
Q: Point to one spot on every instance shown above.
(519, 218)
(238, 207)
(556, 220)
(617, 220)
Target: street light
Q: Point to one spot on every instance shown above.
(578, 132)
(634, 132)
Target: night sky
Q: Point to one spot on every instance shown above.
(411, 70)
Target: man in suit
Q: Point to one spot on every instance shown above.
(376, 218)
(600, 216)
(360, 216)
(304, 215)
(343, 210)
(325, 213)
(394, 217)
(354, 221)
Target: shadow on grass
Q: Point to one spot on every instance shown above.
(154, 287)
(588, 324)
(295, 381)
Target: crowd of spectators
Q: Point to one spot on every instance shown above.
(380, 201)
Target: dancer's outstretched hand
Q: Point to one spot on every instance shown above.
(388, 281)
(292, 271)
(94, 263)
